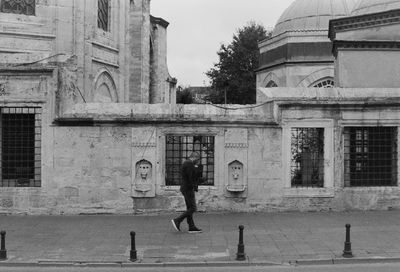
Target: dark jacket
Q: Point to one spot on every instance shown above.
(189, 176)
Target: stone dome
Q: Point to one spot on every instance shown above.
(374, 6)
(312, 15)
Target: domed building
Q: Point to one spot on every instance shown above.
(369, 38)
(299, 53)
(348, 135)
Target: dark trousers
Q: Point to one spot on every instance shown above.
(190, 201)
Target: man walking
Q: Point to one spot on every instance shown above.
(188, 187)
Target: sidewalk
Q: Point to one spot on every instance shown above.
(269, 238)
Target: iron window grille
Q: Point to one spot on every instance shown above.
(103, 15)
(324, 83)
(179, 148)
(20, 130)
(307, 157)
(26, 7)
(370, 156)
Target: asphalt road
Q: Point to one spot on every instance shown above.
(392, 267)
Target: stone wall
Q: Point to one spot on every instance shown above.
(380, 69)
(92, 154)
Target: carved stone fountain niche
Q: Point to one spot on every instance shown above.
(143, 185)
(236, 178)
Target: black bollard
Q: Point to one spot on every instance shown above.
(241, 256)
(3, 251)
(347, 245)
(133, 255)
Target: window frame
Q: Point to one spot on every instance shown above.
(306, 139)
(37, 144)
(2, 2)
(347, 182)
(172, 186)
(328, 188)
(109, 21)
(321, 81)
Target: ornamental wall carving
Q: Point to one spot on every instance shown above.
(236, 145)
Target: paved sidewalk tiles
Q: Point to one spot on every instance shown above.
(268, 237)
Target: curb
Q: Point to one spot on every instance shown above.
(339, 261)
(247, 263)
(134, 264)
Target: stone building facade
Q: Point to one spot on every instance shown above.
(70, 145)
(111, 51)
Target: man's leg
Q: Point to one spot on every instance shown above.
(191, 206)
(190, 209)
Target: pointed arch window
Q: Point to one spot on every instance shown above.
(26, 7)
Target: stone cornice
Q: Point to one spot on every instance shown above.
(382, 45)
(80, 121)
(288, 63)
(363, 21)
(334, 104)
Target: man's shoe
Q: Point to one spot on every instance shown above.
(195, 230)
(176, 225)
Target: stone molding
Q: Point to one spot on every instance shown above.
(115, 65)
(103, 46)
(44, 36)
(363, 21)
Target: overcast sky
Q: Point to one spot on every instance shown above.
(199, 27)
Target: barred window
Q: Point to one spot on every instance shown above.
(324, 83)
(103, 15)
(26, 7)
(179, 148)
(370, 156)
(307, 157)
(20, 147)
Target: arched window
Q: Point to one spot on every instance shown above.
(324, 83)
(271, 84)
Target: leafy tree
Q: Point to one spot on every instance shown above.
(233, 78)
(184, 96)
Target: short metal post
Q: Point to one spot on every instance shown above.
(241, 256)
(133, 255)
(347, 253)
(3, 251)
